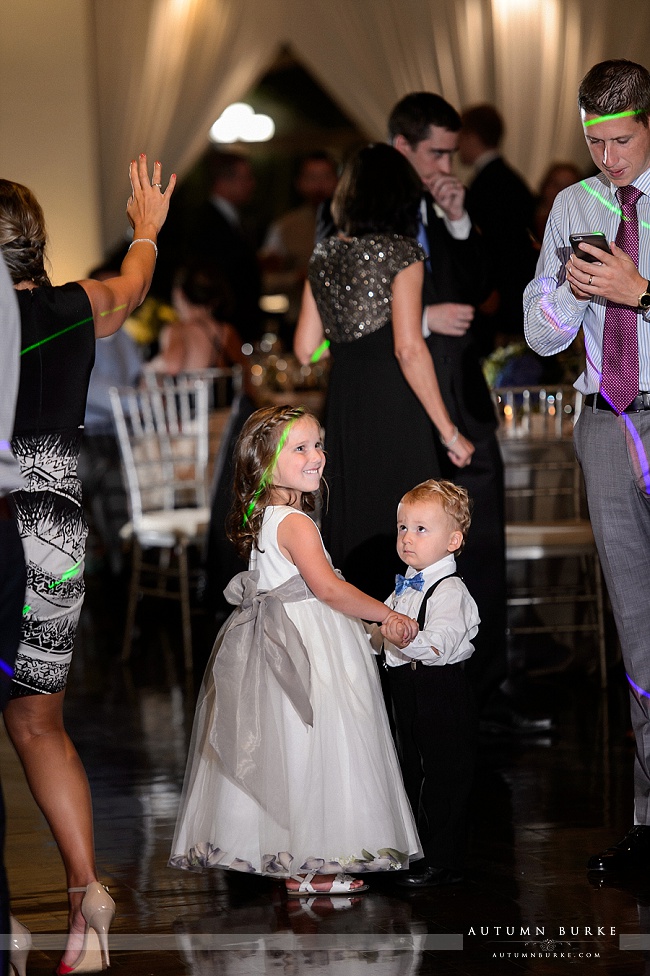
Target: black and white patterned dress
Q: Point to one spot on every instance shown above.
(57, 354)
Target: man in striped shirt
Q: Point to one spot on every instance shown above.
(612, 443)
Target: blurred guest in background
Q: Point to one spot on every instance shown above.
(558, 177)
(502, 207)
(216, 233)
(289, 241)
(202, 337)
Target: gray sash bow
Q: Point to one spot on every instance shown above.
(257, 647)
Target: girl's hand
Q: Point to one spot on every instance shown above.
(147, 206)
(399, 629)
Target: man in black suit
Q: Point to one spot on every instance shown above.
(216, 233)
(425, 129)
(502, 207)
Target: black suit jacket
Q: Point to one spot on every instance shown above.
(213, 237)
(502, 206)
(457, 271)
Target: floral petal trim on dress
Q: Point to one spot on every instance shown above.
(206, 855)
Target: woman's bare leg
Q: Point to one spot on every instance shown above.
(59, 785)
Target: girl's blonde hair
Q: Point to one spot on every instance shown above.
(454, 500)
(256, 452)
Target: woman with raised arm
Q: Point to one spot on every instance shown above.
(59, 326)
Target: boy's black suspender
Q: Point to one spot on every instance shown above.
(422, 614)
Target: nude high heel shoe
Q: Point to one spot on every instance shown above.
(19, 946)
(98, 910)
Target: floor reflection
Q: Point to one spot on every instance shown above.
(313, 935)
(542, 807)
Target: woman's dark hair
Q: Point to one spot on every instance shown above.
(256, 454)
(202, 283)
(22, 233)
(378, 193)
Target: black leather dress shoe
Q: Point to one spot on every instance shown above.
(431, 878)
(630, 854)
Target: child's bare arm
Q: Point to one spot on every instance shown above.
(300, 542)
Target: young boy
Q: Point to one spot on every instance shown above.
(433, 708)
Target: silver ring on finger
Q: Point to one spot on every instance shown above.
(159, 185)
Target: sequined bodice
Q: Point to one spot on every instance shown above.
(351, 282)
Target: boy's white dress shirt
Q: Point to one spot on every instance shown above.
(451, 618)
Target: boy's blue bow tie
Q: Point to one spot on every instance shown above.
(402, 583)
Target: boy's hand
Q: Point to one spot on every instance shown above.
(398, 629)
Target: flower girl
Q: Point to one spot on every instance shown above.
(292, 771)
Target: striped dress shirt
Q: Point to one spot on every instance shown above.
(552, 314)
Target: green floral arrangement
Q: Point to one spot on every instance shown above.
(517, 365)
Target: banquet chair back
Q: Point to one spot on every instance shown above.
(224, 385)
(163, 439)
(551, 554)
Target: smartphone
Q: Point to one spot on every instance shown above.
(596, 240)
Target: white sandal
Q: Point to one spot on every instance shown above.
(341, 885)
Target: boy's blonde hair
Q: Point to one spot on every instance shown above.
(454, 500)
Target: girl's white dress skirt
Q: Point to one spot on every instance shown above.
(292, 767)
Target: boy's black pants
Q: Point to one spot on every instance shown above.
(436, 734)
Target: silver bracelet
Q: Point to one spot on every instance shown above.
(452, 441)
(144, 240)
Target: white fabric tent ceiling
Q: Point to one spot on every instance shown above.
(178, 63)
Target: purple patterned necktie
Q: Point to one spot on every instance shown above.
(619, 382)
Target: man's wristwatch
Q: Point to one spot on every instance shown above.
(644, 299)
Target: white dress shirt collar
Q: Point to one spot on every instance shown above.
(444, 567)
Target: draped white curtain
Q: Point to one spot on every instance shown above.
(167, 68)
(165, 71)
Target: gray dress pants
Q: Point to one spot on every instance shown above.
(614, 453)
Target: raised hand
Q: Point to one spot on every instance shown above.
(148, 204)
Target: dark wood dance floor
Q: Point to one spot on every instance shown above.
(542, 807)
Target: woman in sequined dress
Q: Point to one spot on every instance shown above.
(384, 409)
(59, 325)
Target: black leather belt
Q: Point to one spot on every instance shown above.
(6, 508)
(640, 402)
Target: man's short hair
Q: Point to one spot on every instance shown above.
(224, 165)
(485, 122)
(616, 86)
(416, 113)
